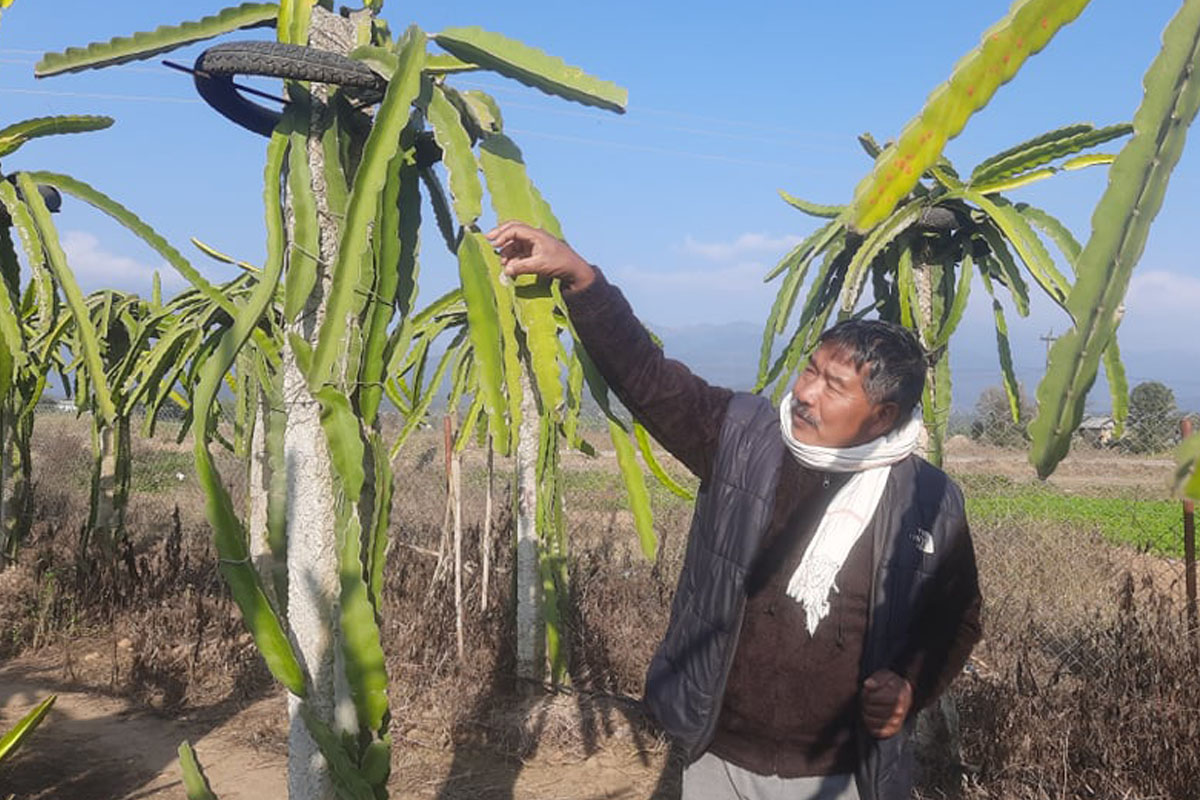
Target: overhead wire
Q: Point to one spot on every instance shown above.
(598, 115)
(101, 95)
(651, 149)
(803, 139)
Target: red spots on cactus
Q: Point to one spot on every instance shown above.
(1045, 23)
(970, 92)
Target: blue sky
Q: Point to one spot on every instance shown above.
(677, 198)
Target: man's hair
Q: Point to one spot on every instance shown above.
(894, 359)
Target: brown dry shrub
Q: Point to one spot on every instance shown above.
(1122, 724)
(1085, 683)
(182, 641)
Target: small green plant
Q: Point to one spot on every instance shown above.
(17, 736)
(194, 780)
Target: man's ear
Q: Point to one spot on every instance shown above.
(886, 415)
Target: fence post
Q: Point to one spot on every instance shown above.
(1189, 542)
(454, 507)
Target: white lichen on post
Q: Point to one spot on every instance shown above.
(529, 628)
(312, 556)
(258, 482)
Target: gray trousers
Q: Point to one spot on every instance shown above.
(712, 778)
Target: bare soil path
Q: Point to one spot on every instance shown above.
(95, 746)
(92, 746)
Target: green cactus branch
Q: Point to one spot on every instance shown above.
(1025, 30)
(1120, 226)
(147, 44)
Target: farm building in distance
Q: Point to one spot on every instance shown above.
(1097, 430)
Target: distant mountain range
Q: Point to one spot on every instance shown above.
(727, 354)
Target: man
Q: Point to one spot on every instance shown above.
(828, 589)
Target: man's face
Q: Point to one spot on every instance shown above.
(830, 408)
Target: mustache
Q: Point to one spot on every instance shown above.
(801, 410)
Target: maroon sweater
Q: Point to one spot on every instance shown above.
(791, 703)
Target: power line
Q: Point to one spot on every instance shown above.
(512, 90)
(524, 132)
(30, 62)
(622, 121)
(136, 98)
(627, 121)
(739, 123)
(804, 137)
(718, 157)
(652, 149)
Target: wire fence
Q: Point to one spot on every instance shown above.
(1083, 577)
(1055, 554)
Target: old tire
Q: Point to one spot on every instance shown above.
(216, 67)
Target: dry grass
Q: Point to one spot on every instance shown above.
(1085, 686)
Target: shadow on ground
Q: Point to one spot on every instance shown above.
(96, 747)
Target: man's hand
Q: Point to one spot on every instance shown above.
(525, 250)
(886, 700)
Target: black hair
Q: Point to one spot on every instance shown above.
(894, 359)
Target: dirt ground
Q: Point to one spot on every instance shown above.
(95, 746)
(1085, 469)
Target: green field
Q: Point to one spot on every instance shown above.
(1150, 525)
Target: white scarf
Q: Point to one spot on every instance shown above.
(849, 511)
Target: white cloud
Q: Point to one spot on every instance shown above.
(732, 277)
(745, 245)
(96, 267)
(726, 293)
(1154, 292)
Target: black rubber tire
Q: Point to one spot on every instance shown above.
(216, 67)
(279, 60)
(50, 196)
(938, 219)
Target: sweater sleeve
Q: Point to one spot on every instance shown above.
(679, 409)
(949, 624)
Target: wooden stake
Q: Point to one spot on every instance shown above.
(456, 494)
(485, 543)
(1189, 542)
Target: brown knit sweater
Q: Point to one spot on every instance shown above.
(791, 700)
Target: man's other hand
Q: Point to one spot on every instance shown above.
(525, 250)
(886, 700)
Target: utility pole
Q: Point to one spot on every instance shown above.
(1049, 338)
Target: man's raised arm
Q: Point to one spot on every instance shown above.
(680, 410)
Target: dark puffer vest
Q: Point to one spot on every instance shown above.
(918, 519)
